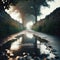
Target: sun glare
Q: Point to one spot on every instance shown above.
(29, 25)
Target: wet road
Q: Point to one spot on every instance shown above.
(53, 40)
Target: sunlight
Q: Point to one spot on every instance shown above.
(16, 45)
(29, 25)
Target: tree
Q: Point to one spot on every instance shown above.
(27, 6)
(1, 5)
(32, 6)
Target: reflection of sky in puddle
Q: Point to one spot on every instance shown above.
(28, 39)
(44, 50)
(29, 35)
(16, 44)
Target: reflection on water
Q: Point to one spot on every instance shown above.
(28, 47)
(29, 35)
(16, 44)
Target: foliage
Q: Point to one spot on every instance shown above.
(8, 26)
(27, 6)
(51, 23)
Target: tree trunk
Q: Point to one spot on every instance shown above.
(35, 10)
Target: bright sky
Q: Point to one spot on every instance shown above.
(15, 13)
(46, 10)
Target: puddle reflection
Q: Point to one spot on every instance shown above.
(27, 47)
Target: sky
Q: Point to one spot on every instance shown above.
(14, 12)
(47, 10)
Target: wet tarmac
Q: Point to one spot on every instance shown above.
(31, 47)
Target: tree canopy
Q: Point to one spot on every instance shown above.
(27, 6)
